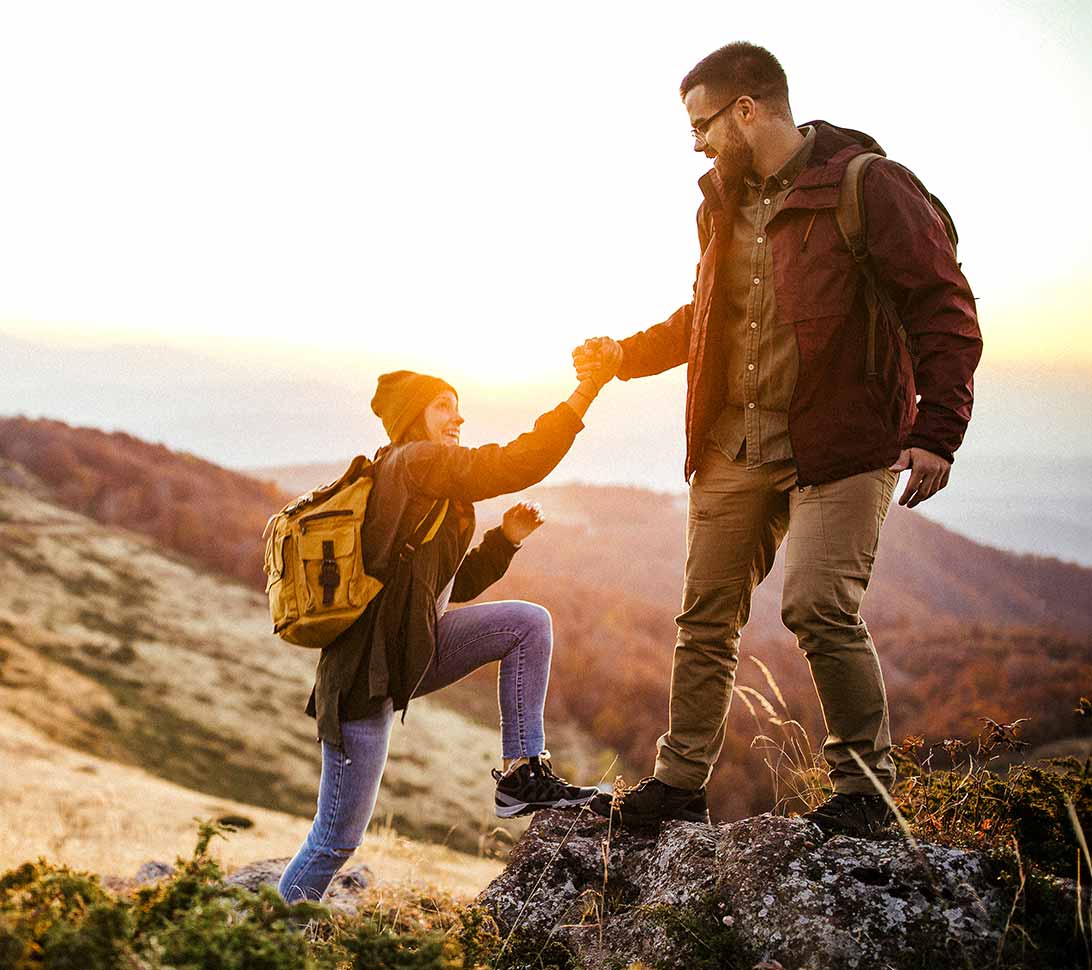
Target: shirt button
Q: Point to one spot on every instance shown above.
(750, 367)
(784, 181)
(760, 239)
(751, 405)
(765, 201)
(754, 324)
(757, 281)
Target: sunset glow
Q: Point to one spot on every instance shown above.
(479, 187)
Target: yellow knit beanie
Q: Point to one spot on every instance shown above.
(402, 395)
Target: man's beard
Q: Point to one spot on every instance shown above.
(737, 158)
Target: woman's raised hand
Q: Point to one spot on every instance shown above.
(520, 521)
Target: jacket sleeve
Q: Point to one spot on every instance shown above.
(472, 474)
(483, 566)
(667, 344)
(916, 266)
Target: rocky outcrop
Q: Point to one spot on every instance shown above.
(763, 890)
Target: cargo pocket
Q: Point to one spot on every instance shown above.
(328, 556)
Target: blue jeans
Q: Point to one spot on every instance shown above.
(520, 636)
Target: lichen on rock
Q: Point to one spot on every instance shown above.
(764, 888)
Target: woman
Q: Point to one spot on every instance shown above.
(417, 532)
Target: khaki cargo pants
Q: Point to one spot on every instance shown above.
(737, 519)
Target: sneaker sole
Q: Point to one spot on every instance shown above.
(525, 808)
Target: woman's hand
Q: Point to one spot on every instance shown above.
(520, 521)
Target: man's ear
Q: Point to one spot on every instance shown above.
(748, 109)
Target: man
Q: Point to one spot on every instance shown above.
(799, 416)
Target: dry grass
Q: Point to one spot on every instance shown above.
(800, 777)
(92, 814)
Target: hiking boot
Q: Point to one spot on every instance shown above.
(533, 786)
(848, 814)
(650, 802)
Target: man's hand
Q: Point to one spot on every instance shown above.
(520, 521)
(597, 359)
(928, 475)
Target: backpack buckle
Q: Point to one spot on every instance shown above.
(329, 574)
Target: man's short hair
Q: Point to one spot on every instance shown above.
(741, 68)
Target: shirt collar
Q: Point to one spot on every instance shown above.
(786, 175)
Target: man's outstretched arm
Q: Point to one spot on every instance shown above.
(651, 351)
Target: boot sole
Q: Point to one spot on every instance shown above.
(638, 823)
(526, 808)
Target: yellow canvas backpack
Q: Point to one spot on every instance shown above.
(314, 558)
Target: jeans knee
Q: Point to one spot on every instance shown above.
(534, 621)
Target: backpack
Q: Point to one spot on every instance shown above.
(317, 582)
(852, 224)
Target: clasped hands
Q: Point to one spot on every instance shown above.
(597, 359)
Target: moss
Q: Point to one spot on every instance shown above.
(985, 810)
(701, 936)
(1044, 931)
(481, 945)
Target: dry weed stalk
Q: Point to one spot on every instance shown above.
(1075, 821)
(797, 770)
(1015, 902)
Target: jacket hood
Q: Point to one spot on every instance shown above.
(830, 140)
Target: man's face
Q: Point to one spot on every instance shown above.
(723, 139)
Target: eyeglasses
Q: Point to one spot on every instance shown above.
(699, 130)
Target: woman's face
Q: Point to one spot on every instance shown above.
(442, 419)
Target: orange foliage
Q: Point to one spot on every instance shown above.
(189, 505)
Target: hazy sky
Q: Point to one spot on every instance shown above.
(475, 187)
(219, 222)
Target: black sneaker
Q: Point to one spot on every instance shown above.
(650, 802)
(848, 814)
(533, 786)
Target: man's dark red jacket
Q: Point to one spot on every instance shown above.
(841, 422)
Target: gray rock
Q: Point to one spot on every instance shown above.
(269, 871)
(762, 889)
(153, 872)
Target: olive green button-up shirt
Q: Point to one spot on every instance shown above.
(759, 354)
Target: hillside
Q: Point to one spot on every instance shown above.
(91, 813)
(187, 504)
(110, 646)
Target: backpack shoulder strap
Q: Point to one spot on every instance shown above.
(427, 528)
(850, 213)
